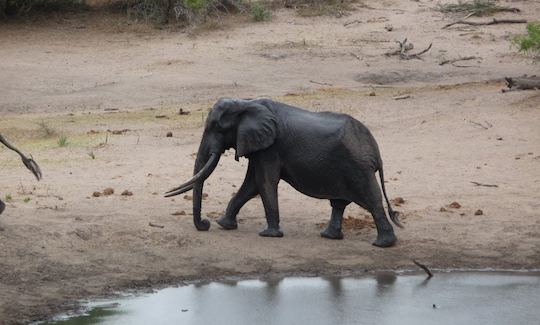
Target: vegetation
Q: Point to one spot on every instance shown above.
(25, 7)
(531, 42)
(312, 8)
(47, 130)
(475, 7)
(8, 198)
(63, 141)
(260, 13)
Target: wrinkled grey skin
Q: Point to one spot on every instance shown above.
(28, 162)
(323, 155)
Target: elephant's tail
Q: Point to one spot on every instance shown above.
(393, 214)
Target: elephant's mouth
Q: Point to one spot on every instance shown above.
(201, 176)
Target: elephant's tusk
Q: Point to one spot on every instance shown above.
(201, 175)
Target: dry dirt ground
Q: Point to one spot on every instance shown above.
(76, 78)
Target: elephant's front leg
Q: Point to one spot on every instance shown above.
(247, 191)
(267, 175)
(2, 206)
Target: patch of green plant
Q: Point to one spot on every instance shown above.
(475, 7)
(531, 41)
(8, 198)
(27, 199)
(92, 155)
(63, 141)
(260, 13)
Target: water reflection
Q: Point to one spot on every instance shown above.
(384, 298)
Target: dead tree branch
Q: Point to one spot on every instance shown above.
(404, 49)
(522, 83)
(485, 127)
(485, 185)
(465, 58)
(484, 23)
(423, 267)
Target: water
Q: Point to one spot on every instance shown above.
(386, 298)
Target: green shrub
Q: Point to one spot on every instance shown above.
(531, 41)
(260, 13)
(63, 141)
(25, 7)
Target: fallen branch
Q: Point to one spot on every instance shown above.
(522, 83)
(465, 58)
(485, 185)
(485, 127)
(404, 48)
(151, 224)
(321, 83)
(423, 267)
(402, 97)
(484, 23)
(352, 22)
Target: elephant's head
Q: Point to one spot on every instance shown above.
(232, 123)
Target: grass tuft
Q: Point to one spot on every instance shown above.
(63, 141)
(531, 42)
(260, 13)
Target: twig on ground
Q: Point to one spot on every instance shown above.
(356, 56)
(485, 127)
(485, 185)
(151, 224)
(321, 83)
(404, 48)
(465, 58)
(483, 23)
(423, 267)
(357, 21)
(402, 97)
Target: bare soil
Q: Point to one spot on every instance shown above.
(115, 91)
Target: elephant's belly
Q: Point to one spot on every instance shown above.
(319, 185)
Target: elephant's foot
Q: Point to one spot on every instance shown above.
(227, 223)
(271, 232)
(385, 240)
(332, 233)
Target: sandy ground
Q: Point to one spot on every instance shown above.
(58, 243)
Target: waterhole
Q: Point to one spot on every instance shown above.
(384, 298)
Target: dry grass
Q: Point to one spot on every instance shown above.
(475, 7)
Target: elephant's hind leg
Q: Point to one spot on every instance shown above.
(333, 230)
(370, 198)
(246, 192)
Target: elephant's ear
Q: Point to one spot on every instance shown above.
(257, 130)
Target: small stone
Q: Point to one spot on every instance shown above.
(169, 134)
(372, 94)
(499, 138)
(454, 205)
(188, 197)
(96, 194)
(108, 191)
(127, 193)
(204, 196)
(442, 209)
(179, 213)
(478, 212)
(389, 27)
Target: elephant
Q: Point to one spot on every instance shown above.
(28, 162)
(323, 155)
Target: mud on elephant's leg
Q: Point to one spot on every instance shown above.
(333, 230)
(247, 191)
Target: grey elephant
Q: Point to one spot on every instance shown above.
(28, 162)
(323, 155)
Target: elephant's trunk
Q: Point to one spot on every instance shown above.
(205, 164)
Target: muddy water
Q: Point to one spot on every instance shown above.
(386, 298)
